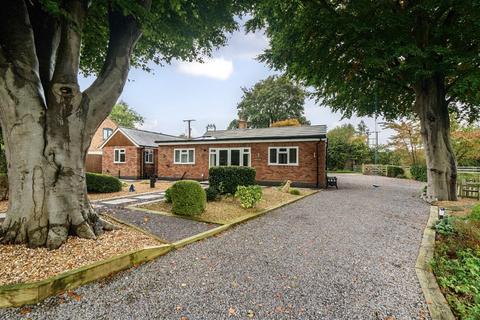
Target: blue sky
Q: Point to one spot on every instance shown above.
(209, 92)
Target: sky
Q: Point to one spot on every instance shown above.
(209, 92)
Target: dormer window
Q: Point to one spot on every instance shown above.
(107, 132)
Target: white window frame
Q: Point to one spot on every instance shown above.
(184, 151)
(216, 151)
(288, 156)
(109, 133)
(148, 156)
(120, 151)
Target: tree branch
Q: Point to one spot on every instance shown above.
(100, 97)
(68, 54)
(16, 40)
(47, 36)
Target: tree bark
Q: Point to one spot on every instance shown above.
(48, 124)
(432, 109)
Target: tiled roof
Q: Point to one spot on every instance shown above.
(147, 138)
(275, 132)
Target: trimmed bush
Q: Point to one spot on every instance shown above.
(394, 171)
(168, 195)
(295, 192)
(188, 198)
(419, 173)
(212, 194)
(102, 183)
(249, 196)
(227, 179)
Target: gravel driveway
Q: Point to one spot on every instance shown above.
(339, 254)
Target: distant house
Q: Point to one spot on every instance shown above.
(294, 153)
(132, 153)
(93, 160)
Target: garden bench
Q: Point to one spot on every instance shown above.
(332, 182)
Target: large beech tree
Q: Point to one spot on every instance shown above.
(48, 123)
(391, 58)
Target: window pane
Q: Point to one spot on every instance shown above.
(184, 158)
(223, 157)
(273, 155)
(234, 157)
(116, 155)
(246, 158)
(293, 155)
(122, 156)
(190, 155)
(177, 155)
(213, 160)
(282, 158)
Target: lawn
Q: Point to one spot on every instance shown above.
(456, 262)
(228, 209)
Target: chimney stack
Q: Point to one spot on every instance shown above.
(242, 124)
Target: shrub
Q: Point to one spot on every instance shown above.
(295, 192)
(227, 179)
(168, 195)
(102, 183)
(445, 226)
(212, 194)
(188, 198)
(419, 173)
(475, 214)
(394, 171)
(249, 196)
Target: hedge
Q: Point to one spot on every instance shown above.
(227, 179)
(394, 171)
(212, 194)
(419, 173)
(102, 183)
(188, 198)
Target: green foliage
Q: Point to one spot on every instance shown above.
(460, 277)
(445, 226)
(295, 192)
(188, 198)
(475, 214)
(227, 179)
(102, 183)
(271, 100)
(249, 196)
(346, 147)
(212, 194)
(168, 195)
(125, 116)
(419, 172)
(183, 30)
(367, 58)
(394, 171)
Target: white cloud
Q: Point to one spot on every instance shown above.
(216, 68)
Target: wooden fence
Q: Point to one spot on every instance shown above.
(468, 170)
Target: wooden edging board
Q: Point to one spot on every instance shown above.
(436, 302)
(16, 295)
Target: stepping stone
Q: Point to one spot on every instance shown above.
(149, 196)
(119, 201)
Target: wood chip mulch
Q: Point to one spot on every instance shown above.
(20, 264)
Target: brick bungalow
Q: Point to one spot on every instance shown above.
(294, 153)
(93, 160)
(132, 153)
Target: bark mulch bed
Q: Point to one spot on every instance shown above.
(140, 187)
(461, 207)
(20, 264)
(228, 209)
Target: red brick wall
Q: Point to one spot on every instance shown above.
(130, 169)
(305, 173)
(97, 138)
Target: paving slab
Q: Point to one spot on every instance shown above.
(119, 201)
(150, 196)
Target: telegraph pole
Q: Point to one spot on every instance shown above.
(189, 121)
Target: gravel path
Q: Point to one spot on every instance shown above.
(166, 228)
(339, 254)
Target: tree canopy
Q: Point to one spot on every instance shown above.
(125, 116)
(365, 57)
(346, 147)
(274, 99)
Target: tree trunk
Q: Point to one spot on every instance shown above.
(432, 109)
(46, 152)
